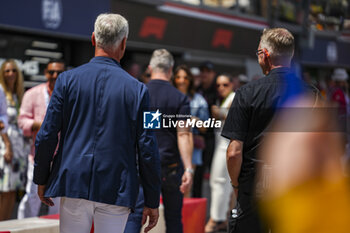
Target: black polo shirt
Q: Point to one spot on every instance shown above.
(170, 102)
(253, 108)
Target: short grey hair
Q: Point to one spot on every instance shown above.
(110, 30)
(161, 60)
(279, 42)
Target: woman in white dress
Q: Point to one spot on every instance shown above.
(13, 156)
(220, 187)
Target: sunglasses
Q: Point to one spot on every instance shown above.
(52, 72)
(260, 51)
(9, 70)
(224, 84)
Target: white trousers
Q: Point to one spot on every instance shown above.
(77, 215)
(220, 186)
(30, 203)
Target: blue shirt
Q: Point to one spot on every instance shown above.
(97, 108)
(199, 108)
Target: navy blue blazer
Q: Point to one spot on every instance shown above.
(97, 109)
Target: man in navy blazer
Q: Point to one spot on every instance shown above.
(96, 114)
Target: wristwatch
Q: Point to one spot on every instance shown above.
(190, 170)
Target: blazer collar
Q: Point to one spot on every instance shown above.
(105, 60)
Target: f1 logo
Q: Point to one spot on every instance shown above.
(153, 26)
(222, 37)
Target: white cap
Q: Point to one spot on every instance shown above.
(340, 74)
(195, 71)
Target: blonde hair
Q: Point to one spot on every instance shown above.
(280, 44)
(19, 89)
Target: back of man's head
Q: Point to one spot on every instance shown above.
(161, 61)
(110, 30)
(279, 43)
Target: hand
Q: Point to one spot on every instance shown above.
(36, 126)
(153, 215)
(2, 125)
(8, 155)
(46, 200)
(195, 118)
(31, 159)
(215, 111)
(186, 184)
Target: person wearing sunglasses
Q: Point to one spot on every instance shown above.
(220, 187)
(32, 113)
(13, 161)
(251, 112)
(52, 71)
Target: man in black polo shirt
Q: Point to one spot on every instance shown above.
(175, 143)
(250, 114)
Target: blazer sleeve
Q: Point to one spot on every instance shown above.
(47, 137)
(149, 161)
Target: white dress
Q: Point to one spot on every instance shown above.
(13, 175)
(220, 186)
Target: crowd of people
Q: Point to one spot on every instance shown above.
(102, 162)
(25, 114)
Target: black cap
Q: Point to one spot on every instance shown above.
(206, 65)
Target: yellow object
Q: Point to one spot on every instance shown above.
(317, 206)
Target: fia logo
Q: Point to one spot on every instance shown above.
(151, 120)
(51, 13)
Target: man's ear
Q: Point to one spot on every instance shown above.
(170, 72)
(93, 39)
(267, 54)
(123, 44)
(267, 60)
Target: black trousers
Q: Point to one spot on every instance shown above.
(172, 197)
(246, 219)
(199, 172)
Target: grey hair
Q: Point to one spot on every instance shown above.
(110, 30)
(161, 60)
(279, 42)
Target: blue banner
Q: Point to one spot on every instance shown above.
(68, 17)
